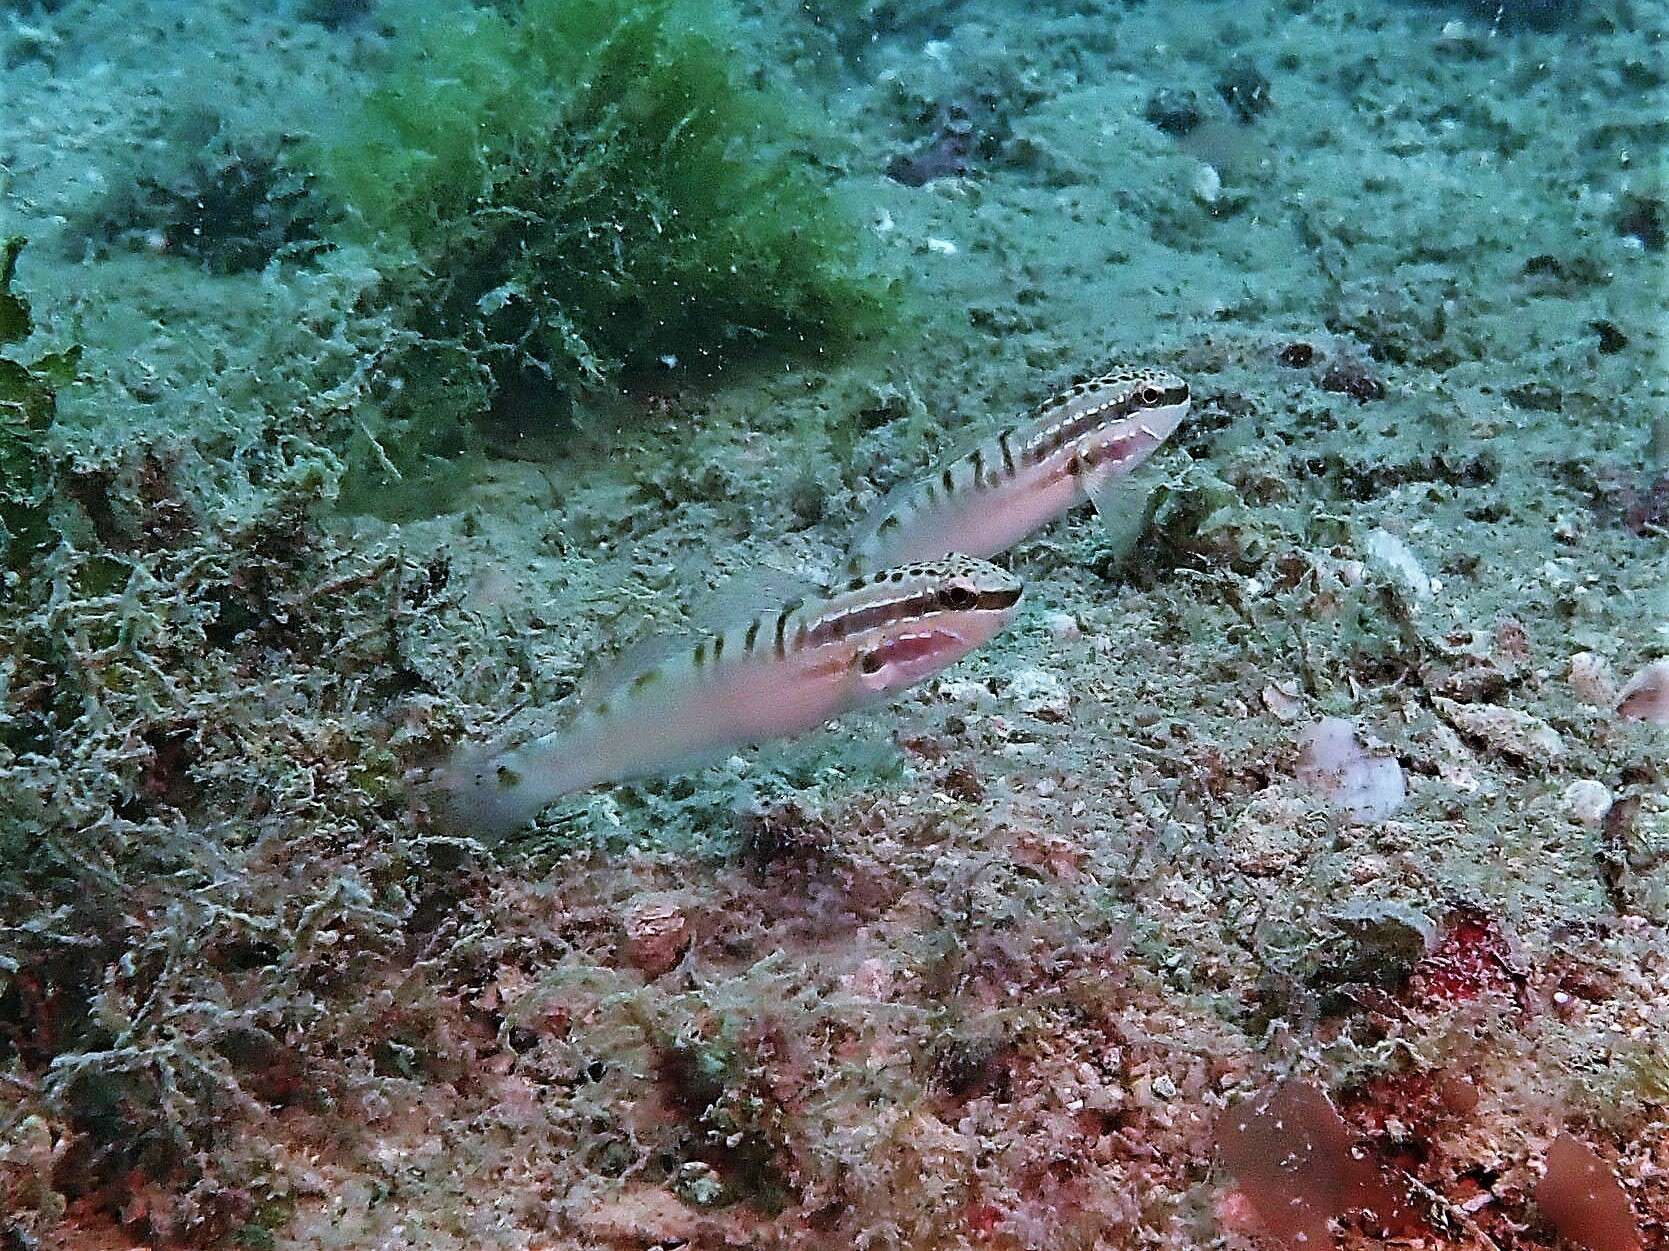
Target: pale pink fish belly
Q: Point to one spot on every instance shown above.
(986, 522)
(696, 720)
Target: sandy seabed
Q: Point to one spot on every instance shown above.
(982, 969)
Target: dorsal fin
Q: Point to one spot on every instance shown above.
(961, 446)
(876, 513)
(637, 657)
(765, 588)
(964, 439)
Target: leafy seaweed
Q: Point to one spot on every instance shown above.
(580, 191)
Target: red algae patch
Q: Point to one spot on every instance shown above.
(1583, 1199)
(1300, 1167)
(1472, 958)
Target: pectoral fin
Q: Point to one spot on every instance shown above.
(1123, 503)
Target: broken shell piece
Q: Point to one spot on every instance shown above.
(1645, 696)
(1335, 765)
(1282, 700)
(1592, 681)
(1506, 731)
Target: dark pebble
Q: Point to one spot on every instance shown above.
(1611, 340)
(1176, 112)
(522, 1040)
(1643, 220)
(1244, 89)
(1297, 355)
(1354, 381)
(945, 157)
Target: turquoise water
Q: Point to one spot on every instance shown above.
(378, 376)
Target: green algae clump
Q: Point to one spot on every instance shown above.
(566, 194)
(28, 403)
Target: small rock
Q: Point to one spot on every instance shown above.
(1642, 221)
(1510, 641)
(872, 979)
(971, 693)
(1382, 940)
(1507, 731)
(1611, 339)
(1586, 802)
(1645, 696)
(1063, 627)
(1334, 765)
(1039, 694)
(1352, 379)
(1592, 681)
(1454, 761)
(698, 1184)
(946, 157)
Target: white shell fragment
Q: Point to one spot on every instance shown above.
(1397, 558)
(1645, 696)
(1334, 764)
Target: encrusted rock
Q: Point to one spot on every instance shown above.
(1505, 731)
(657, 931)
(1382, 939)
(1063, 627)
(1454, 761)
(1174, 110)
(1244, 88)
